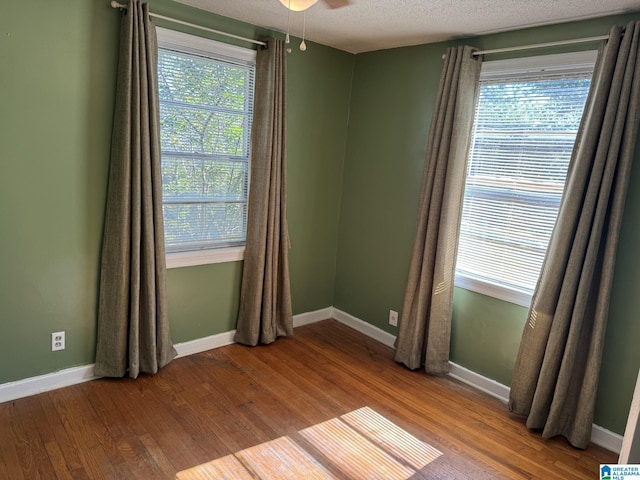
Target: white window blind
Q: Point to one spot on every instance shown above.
(206, 105)
(527, 117)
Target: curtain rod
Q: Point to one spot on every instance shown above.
(542, 45)
(115, 4)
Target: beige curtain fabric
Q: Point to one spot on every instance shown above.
(425, 325)
(133, 328)
(265, 296)
(556, 374)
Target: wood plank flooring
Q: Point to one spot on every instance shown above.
(213, 404)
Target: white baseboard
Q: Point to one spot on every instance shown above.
(606, 438)
(203, 344)
(312, 317)
(364, 327)
(43, 383)
(479, 382)
(599, 435)
(226, 338)
(71, 376)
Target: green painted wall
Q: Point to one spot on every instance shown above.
(57, 86)
(319, 95)
(392, 101)
(56, 97)
(485, 334)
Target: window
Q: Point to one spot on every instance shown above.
(206, 104)
(526, 121)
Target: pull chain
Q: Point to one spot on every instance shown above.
(303, 46)
(287, 40)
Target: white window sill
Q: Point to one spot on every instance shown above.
(204, 257)
(493, 290)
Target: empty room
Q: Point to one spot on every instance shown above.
(350, 239)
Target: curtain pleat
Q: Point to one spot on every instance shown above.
(555, 379)
(133, 327)
(425, 324)
(265, 297)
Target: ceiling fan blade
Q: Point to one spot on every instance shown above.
(337, 3)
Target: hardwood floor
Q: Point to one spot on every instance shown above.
(212, 404)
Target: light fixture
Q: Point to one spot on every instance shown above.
(298, 5)
(303, 6)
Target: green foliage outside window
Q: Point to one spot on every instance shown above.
(205, 118)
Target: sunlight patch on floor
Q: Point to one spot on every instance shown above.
(358, 445)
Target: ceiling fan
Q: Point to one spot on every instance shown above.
(301, 5)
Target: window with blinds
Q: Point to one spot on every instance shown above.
(527, 117)
(206, 104)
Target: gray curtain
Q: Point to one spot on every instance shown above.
(425, 325)
(556, 373)
(265, 296)
(133, 328)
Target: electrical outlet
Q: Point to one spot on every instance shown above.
(57, 341)
(393, 318)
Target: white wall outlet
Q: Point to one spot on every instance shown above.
(57, 341)
(393, 318)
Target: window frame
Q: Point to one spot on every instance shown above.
(576, 61)
(192, 44)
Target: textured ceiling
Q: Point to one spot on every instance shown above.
(366, 25)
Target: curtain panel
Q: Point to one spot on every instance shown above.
(425, 324)
(555, 379)
(133, 327)
(265, 296)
